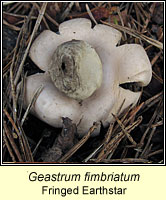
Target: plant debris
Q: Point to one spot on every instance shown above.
(63, 143)
(135, 137)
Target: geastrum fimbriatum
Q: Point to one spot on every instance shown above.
(83, 72)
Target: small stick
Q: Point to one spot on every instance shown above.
(137, 14)
(16, 129)
(17, 15)
(79, 144)
(126, 160)
(155, 58)
(124, 152)
(142, 10)
(112, 151)
(157, 77)
(14, 6)
(134, 112)
(133, 20)
(111, 130)
(11, 121)
(110, 146)
(36, 94)
(66, 12)
(78, 6)
(57, 8)
(159, 107)
(21, 90)
(160, 123)
(120, 16)
(13, 89)
(44, 20)
(19, 8)
(122, 119)
(141, 143)
(154, 153)
(8, 147)
(13, 27)
(10, 137)
(93, 153)
(25, 145)
(152, 101)
(38, 21)
(109, 133)
(145, 151)
(136, 34)
(51, 20)
(90, 14)
(115, 141)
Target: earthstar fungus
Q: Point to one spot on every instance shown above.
(83, 70)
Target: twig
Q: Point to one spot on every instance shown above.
(160, 123)
(158, 78)
(159, 107)
(155, 58)
(8, 147)
(141, 143)
(21, 90)
(137, 14)
(48, 16)
(109, 133)
(16, 129)
(18, 15)
(13, 27)
(37, 146)
(79, 144)
(44, 20)
(25, 145)
(38, 21)
(113, 149)
(135, 34)
(66, 12)
(154, 153)
(120, 16)
(115, 141)
(110, 146)
(78, 6)
(145, 151)
(125, 160)
(11, 121)
(112, 130)
(124, 152)
(90, 14)
(36, 94)
(151, 102)
(57, 8)
(93, 153)
(151, 10)
(51, 20)
(10, 137)
(13, 88)
(133, 113)
(14, 6)
(19, 8)
(124, 130)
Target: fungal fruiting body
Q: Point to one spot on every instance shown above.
(83, 64)
(76, 69)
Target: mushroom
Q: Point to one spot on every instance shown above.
(83, 74)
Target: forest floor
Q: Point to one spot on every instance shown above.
(136, 136)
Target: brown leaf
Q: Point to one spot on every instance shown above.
(11, 19)
(63, 143)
